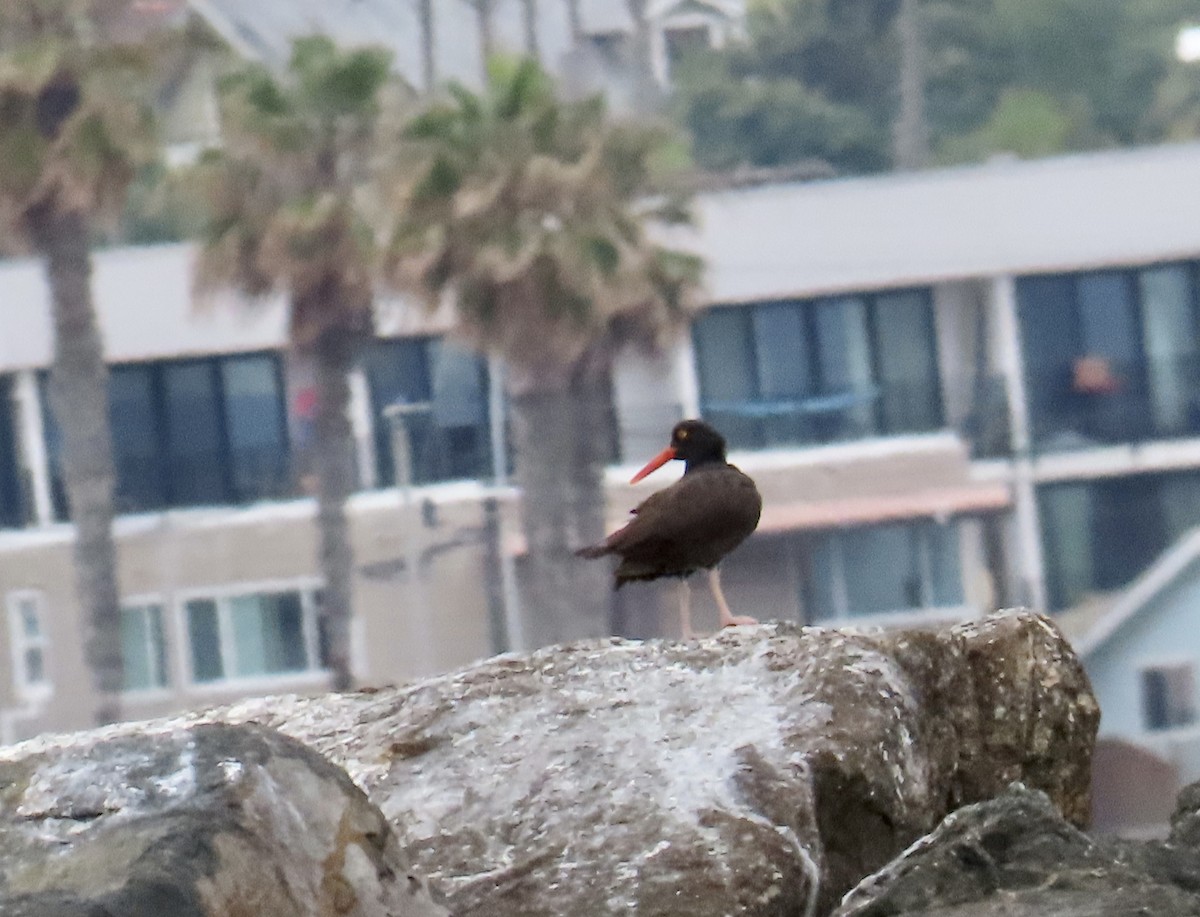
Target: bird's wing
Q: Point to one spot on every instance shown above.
(686, 506)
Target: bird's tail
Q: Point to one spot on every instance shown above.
(592, 551)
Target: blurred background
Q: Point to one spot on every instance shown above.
(329, 329)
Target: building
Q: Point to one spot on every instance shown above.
(1141, 654)
(590, 44)
(957, 389)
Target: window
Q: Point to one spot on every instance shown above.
(810, 371)
(1111, 356)
(11, 511)
(448, 386)
(612, 47)
(1099, 535)
(143, 647)
(253, 634)
(29, 643)
(681, 41)
(1168, 696)
(193, 432)
(883, 568)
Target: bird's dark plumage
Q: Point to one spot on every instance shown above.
(692, 524)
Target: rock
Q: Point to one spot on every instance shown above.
(1015, 856)
(762, 771)
(197, 821)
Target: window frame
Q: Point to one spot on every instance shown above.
(1053, 411)
(132, 603)
(1171, 664)
(308, 589)
(13, 511)
(20, 643)
(419, 352)
(840, 593)
(817, 361)
(129, 500)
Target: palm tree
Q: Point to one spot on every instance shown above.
(428, 46)
(75, 125)
(533, 213)
(286, 214)
(910, 130)
(485, 13)
(529, 18)
(575, 20)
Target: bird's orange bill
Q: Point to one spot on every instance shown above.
(655, 463)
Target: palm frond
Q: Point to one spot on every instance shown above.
(535, 214)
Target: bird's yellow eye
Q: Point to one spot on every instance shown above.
(681, 434)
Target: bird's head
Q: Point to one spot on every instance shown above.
(693, 442)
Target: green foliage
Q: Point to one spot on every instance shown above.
(818, 78)
(75, 110)
(758, 122)
(813, 80)
(284, 196)
(532, 212)
(1026, 122)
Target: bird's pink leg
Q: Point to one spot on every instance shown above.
(685, 609)
(727, 617)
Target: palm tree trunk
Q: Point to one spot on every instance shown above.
(575, 20)
(910, 133)
(566, 598)
(79, 398)
(530, 15)
(333, 450)
(487, 40)
(648, 93)
(428, 58)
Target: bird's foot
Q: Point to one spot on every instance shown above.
(734, 620)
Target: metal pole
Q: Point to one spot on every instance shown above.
(513, 622)
(397, 415)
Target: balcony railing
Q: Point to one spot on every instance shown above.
(1093, 402)
(879, 409)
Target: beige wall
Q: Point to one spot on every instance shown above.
(173, 556)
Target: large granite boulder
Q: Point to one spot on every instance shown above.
(207, 821)
(762, 771)
(1015, 856)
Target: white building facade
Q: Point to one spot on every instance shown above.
(957, 389)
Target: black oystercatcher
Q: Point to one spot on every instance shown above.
(690, 525)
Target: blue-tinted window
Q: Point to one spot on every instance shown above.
(821, 370)
(725, 356)
(143, 647)
(196, 459)
(876, 569)
(1099, 535)
(253, 635)
(268, 634)
(204, 637)
(191, 432)
(255, 425)
(11, 508)
(141, 477)
(1111, 356)
(910, 397)
(448, 427)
